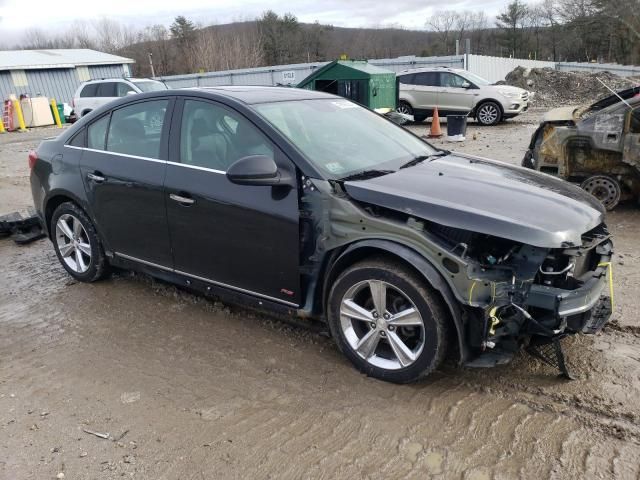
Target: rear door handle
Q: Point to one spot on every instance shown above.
(182, 200)
(96, 177)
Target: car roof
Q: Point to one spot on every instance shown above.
(258, 94)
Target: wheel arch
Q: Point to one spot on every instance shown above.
(485, 100)
(407, 256)
(54, 200)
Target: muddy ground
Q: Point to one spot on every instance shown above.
(189, 388)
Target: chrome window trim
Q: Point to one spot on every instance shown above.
(195, 167)
(208, 280)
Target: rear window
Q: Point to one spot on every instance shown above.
(427, 79)
(406, 79)
(150, 86)
(107, 89)
(136, 129)
(97, 132)
(89, 90)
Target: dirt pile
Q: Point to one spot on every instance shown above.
(553, 87)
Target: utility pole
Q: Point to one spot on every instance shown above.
(153, 73)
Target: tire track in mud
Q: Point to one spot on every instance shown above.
(283, 404)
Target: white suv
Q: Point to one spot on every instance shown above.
(456, 91)
(95, 93)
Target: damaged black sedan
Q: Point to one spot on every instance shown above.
(307, 204)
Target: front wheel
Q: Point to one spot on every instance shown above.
(77, 244)
(489, 113)
(387, 321)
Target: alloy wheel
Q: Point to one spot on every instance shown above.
(382, 325)
(73, 243)
(404, 109)
(488, 114)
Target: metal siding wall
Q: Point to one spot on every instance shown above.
(6, 85)
(621, 70)
(496, 68)
(270, 76)
(55, 83)
(106, 71)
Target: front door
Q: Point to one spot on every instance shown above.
(123, 169)
(454, 97)
(631, 148)
(242, 237)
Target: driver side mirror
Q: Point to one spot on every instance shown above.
(257, 170)
(131, 92)
(466, 85)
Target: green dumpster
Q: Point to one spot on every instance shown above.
(357, 80)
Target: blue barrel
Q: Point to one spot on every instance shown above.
(456, 125)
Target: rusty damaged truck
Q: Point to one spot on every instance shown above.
(596, 146)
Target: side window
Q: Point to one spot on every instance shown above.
(78, 139)
(123, 89)
(213, 137)
(97, 132)
(89, 90)
(427, 79)
(136, 129)
(451, 80)
(634, 121)
(407, 79)
(106, 89)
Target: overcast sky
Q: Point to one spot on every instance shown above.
(16, 16)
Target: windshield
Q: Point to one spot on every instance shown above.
(150, 86)
(342, 138)
(473, 78)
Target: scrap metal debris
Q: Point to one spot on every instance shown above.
(23, 227)
(97, 434)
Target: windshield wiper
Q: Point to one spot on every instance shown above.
(422, 158)
(365, 174)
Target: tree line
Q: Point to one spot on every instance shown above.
(557, 30)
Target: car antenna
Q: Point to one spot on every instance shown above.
(615, 93)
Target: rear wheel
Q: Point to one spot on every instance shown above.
(405, 109)
(387, 321)
(489, 113)
(604, 188)
(77, 244)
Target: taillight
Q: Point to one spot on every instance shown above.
(33, 158)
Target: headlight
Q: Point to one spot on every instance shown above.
(509, 93)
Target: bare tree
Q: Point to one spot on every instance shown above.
(443, 21)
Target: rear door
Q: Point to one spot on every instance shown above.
(453, 96)
(242, 237)
(123, 168)
(426, 90)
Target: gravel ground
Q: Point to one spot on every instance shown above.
(191, 388)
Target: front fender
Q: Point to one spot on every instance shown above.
(423, 266)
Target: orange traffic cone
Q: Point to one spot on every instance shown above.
(435, 131)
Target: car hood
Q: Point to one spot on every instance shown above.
(486, 196)
(509, 88)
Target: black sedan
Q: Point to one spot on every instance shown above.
(308, 204)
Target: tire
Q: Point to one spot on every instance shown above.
(77, 246)
(404, 107)
(488, 113)
(354, 316)
(604, 188)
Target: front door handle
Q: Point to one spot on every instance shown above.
(96, 177)
(182, 200)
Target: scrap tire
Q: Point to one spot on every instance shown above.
(604, 188)
(427, 302)
(97, 267)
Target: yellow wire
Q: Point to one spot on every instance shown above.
(471, 292)
(610, 276)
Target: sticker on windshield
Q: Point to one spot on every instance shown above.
(334, 167)
(344, 104)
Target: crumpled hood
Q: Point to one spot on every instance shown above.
(486, 196)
